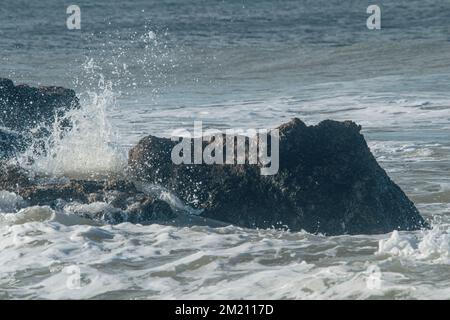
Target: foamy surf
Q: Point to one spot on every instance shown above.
(164, 262)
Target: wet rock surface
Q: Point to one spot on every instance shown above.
(328, 182)
(110, 201)
(10, 143)
(24, 108)
(12, 177)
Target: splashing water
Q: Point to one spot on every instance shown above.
(85, 150)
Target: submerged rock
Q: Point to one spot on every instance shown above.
(24, 108)
(111, 201)
(328, 182)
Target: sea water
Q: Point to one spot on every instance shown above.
(149, 67)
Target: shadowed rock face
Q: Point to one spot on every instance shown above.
(23, 108)
(328, 182)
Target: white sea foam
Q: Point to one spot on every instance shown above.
(155, 261)
(10, 202)
(433, 245)
(30, 214)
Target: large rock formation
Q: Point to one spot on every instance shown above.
(328, 182)
(24, 108)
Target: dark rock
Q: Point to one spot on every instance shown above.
(49, 194)
(10, 143)
(328, 182)
(82, 191)
(124, 202)
(150, 209)
(13, 178)
(24, 108)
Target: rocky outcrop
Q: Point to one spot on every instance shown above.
(111, 201)
(24, 108)
(119, 201)
(114, 201)
(328, 182)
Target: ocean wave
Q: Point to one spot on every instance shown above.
(433, 246)
(155, 261)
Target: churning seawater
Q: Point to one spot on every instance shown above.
(148, 67)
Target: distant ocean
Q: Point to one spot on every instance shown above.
(148, 67)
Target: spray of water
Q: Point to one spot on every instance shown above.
(88, 148)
